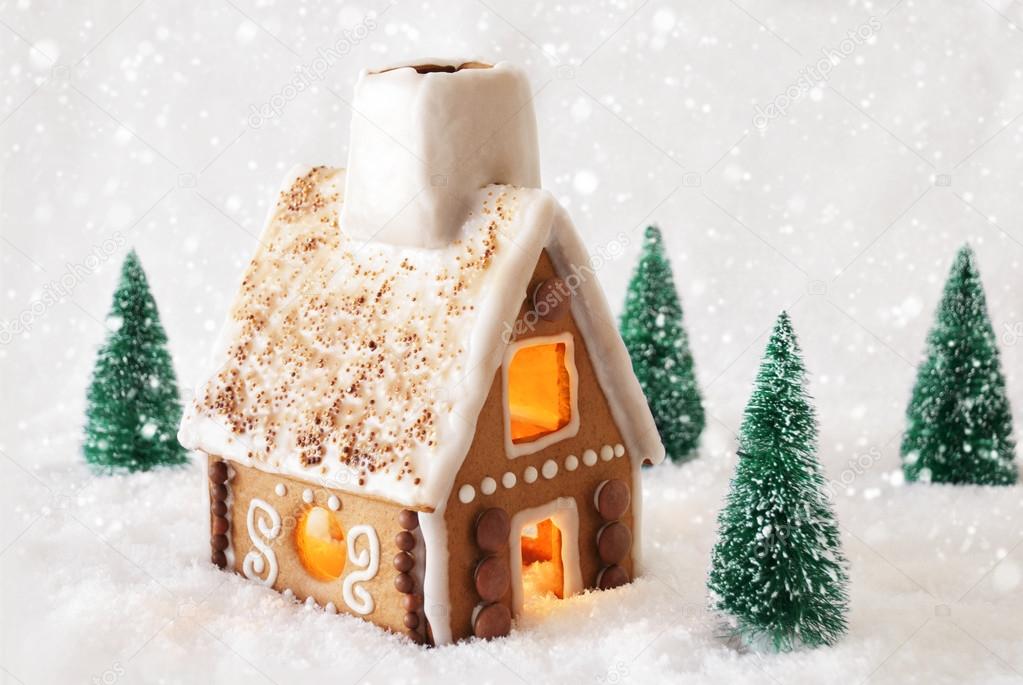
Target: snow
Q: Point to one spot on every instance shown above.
(652, 106)
(115, 570)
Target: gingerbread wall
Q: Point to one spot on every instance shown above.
(480, 575)
(388, 578)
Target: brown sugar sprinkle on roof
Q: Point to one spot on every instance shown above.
(304, 196)
(338, 346)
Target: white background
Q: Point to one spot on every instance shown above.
(133, 123)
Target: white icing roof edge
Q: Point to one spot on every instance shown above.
(455, 390)
(608, 354)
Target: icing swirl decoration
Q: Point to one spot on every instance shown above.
(262, 531)
(367, 561)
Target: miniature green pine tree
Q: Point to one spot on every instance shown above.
(133, 409)
(777, 568)
(959, 424)
(652, 329)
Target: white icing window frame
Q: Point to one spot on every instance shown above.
(572, 427)
(564, 513)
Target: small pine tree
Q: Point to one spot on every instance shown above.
(133, 409)
(777, 567)
(959, 423)
(651, 326)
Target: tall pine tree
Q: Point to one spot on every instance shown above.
(651, 326)
(959, 423)
(133, 408)
(777, 568)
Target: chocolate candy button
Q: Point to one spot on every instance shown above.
(551, 299)
(614, 542)
(405, 541)
(408, 519)
(612, 499)
(404, 583)
(404, 562)
(492, 579)
(611, 577)
(492, 621)
(492, 528)
(218, 472)
(219, 525)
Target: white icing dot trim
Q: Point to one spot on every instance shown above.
(280, 490)
(334, 503)
(549, 469)
(488, 486)
(307, 496)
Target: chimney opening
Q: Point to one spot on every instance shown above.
(439, 68)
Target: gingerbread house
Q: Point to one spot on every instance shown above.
(422, 412)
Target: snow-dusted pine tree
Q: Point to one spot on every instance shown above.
(959, 423)
(777, 568)
(654, 334)
(133, 408)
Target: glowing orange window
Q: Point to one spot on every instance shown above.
(543, 570)
(539, 391)
(321, 544)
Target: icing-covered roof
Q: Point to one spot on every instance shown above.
(363, 365)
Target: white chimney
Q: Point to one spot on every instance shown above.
(425, 138)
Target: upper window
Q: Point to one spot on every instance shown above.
(540, 388)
